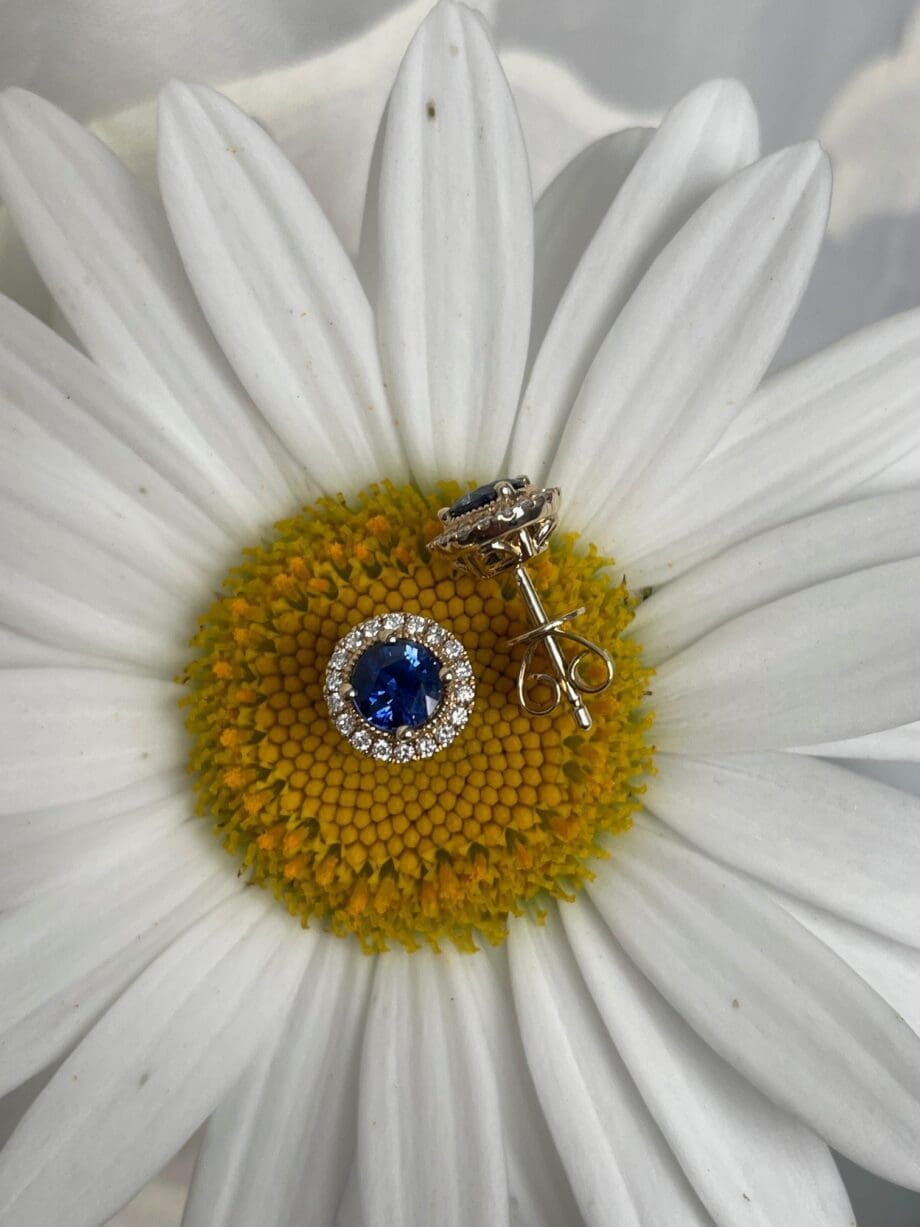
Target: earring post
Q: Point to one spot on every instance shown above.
(539, 619)
(498, 528)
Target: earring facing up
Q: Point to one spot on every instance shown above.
(399, 687)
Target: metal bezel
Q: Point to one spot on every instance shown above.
(512, 528)
(407, 744)
(501, 536)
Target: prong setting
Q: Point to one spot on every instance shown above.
(405, 742)
(499, 528)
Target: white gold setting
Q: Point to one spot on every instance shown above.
(406, 743)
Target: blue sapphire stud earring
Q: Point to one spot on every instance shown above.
(499, 528)
(399, 687)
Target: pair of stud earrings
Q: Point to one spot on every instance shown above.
(400, 687)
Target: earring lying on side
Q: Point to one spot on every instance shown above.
(499, 528)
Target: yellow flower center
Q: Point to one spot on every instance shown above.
(441, 848)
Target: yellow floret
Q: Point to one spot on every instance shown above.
(441, 849)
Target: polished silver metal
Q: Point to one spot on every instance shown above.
(509, 525)
(404, 744)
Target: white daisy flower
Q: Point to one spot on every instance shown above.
(647, 974)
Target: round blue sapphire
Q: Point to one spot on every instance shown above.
(397, 685)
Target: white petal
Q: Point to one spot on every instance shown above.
(102, 554)
(22, 827)
(537, 1185)
(44, 852)
(68, 401)
(704, 139)
(837, 660)
(14, 1105)
(901, 744)
(58, 580)
(368, 257)
(61, 966)
(568, 215)
(153, 1068)
(18, 276)
(456, 250)
(809, 437)
(619, 1165)
(693, 341)
(429, 1133)
(789, 393)
(104, 250)
(349, 1213)
(277, 288)
(769, 997)
(69, 734)
(902, 473)
(322, 107)
(279, 1148)
(891, 969)
(773, 564)
(739, 1151)
(18, 650)
(543, 112)
(34, 480)
(824, 834)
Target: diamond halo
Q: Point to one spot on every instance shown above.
(406, 743)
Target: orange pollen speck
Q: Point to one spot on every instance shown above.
(445, 848)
